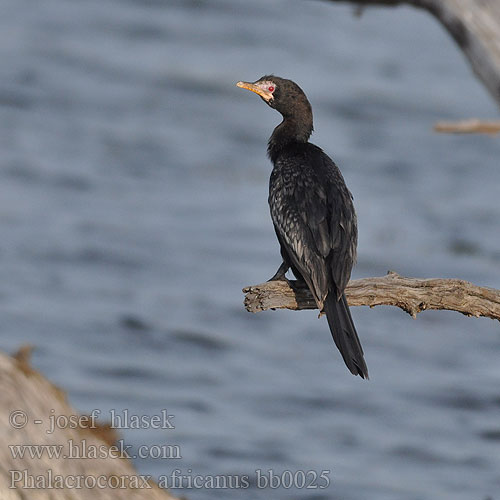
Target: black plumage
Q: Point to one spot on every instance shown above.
(312, 213)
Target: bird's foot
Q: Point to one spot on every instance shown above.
(298, 283)
(280, 273)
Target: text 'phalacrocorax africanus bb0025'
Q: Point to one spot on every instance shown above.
(312, 213)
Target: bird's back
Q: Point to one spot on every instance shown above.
(314, 217)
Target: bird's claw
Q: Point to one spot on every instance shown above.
(280, 273)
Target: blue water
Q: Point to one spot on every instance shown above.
(133, 209)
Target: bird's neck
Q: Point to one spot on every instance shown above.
(292, 130)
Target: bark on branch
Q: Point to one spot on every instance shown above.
(472, 126)
(410, 294)
(28, 402)
(475, 26)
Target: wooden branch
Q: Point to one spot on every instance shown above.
(410, 294)
(475, 26)
(28, 404)
(472, 126)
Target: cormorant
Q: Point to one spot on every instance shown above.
(312, 213)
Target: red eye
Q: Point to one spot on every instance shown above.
(271, 88)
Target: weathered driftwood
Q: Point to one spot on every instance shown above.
(22, 389)
(474, 25)
(472, 126)
(410, 294)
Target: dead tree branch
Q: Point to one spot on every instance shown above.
(410, 294)
(28, 404)
(475, 26)
(472, 126)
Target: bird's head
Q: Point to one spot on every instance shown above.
(283, 95)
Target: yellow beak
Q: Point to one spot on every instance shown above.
(264, 93)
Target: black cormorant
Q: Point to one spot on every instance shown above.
(312, 213)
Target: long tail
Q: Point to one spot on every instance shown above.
(344, 334)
